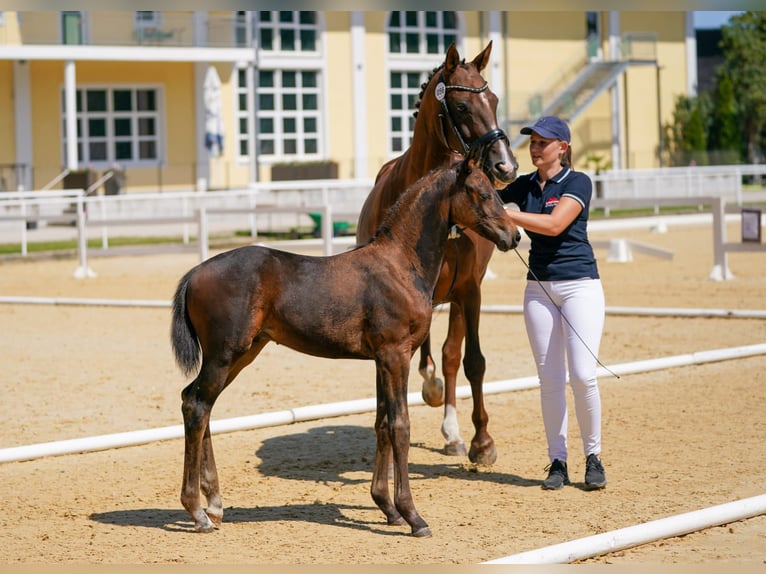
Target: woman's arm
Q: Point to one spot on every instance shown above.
(553, 223)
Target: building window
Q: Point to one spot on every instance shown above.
(71, 28)
(240, 29)
(286, 101)
(422, 35)
(421, 32)
(286, 31)
(115, 125)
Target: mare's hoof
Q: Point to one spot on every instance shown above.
(485, 456)
(397, 521)
(423, 532)
(205, 528)
(455, 449)
(433, 392)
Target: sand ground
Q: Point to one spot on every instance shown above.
(675, 439)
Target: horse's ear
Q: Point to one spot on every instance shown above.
(466, 166)
(452, 59)
(482, 59)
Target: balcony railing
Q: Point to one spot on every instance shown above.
(170, 29)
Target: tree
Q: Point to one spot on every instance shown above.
(744, 48)
(686, 138)
(724, 133)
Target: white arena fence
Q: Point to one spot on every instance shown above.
(693, 181)
(275, 205)
(288, 204)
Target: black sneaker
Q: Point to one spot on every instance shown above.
(594, 473)
(557, 475)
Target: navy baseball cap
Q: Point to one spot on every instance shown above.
(549, 127)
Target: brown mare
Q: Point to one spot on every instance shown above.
(373, 302)
(456, 112)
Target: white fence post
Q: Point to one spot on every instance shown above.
(202, 233)
(720, 270)
(83, 271)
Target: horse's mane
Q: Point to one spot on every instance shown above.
(440, 177)
(424, 85)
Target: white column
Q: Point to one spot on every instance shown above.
(615, 91)
(202, 172)
(496, 63)
(22, 112)
(361, 159)
(70, 106)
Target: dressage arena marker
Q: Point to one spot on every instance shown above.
(678, 525)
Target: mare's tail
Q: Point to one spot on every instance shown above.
(182, 334)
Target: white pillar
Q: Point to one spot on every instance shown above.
(70, 105)
(22, 112)
(496, 63)
(616, 90)
(361, 159)
(202, 172)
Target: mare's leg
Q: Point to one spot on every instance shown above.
(380, 473)
(393, 369)
(482, 449)
(451, 354)
(433, 387)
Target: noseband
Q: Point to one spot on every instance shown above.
(485, 141)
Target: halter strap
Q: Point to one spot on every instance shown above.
(485, 140)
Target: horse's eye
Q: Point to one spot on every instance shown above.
(485, 196)
(462, 108)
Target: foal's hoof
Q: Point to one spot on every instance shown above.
(433, 392)
(455, 449)
(423, 532)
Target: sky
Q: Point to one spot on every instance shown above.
(711, 19)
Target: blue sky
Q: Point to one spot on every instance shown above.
(711, 19)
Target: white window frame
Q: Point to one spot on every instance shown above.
(280, 62)
(84, 140)
(405, 63)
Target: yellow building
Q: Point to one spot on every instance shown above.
(330, 91)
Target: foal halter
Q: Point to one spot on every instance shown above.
(484, 141)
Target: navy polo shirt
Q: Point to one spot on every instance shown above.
(570, 254)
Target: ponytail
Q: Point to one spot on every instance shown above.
(566, 159)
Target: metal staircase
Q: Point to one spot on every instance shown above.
(590, 82)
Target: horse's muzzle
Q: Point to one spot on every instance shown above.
(508, 240)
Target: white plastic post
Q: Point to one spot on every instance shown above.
(82, 271)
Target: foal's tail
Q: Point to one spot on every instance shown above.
(182, 334)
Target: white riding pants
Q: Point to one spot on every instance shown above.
(556, 345)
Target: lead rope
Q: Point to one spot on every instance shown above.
(564, 316)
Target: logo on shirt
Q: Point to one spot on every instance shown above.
(552, 202)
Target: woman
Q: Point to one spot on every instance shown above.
(563, 299)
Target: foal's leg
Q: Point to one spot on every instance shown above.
(393, 368)
(379, 486)
(451, 354)
(482, 449)
(208, 480)
(199, 465)
(207, 477)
